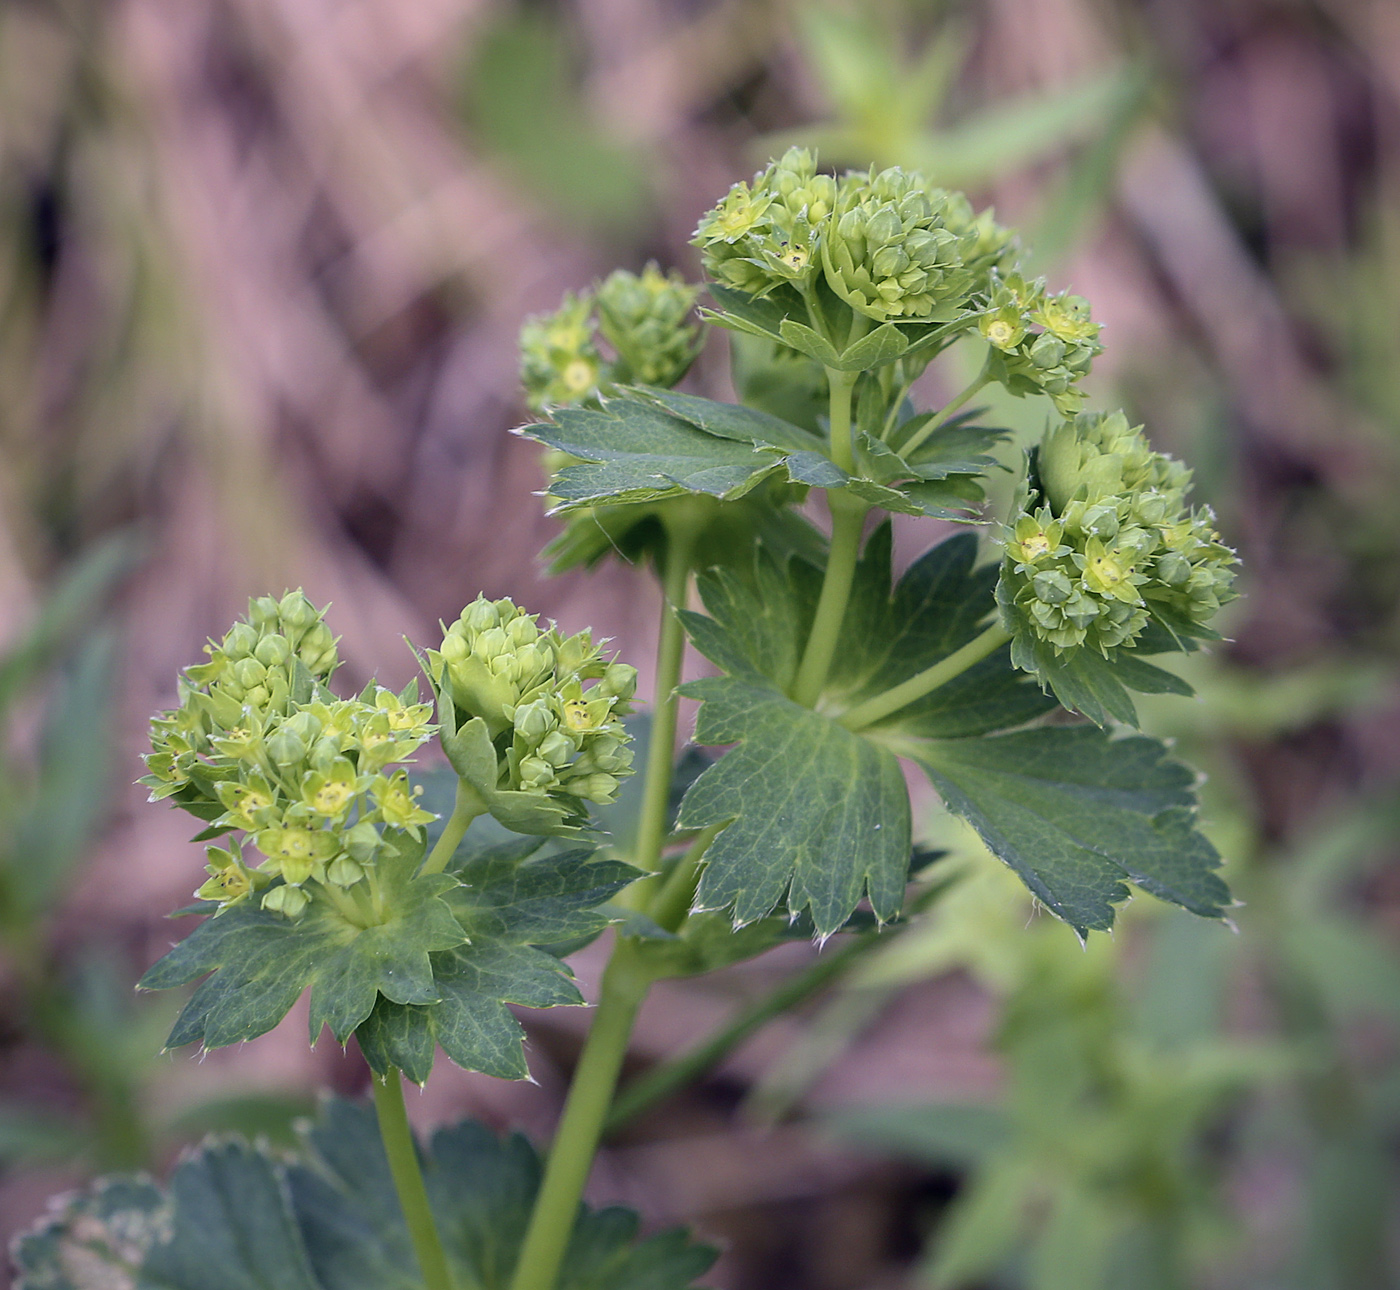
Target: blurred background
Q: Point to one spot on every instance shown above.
(262, 266)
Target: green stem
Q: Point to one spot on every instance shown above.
(842, 450)
(663, 1081)
(465, 808)
(576, 1141)
(670, 652)
(941, 416)
(902, 695)
(847, 523)
(408, 1181)
(673, 901)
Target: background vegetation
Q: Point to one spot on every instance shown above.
(262, 265)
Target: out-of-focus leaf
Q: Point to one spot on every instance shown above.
(29, 1136)
(237, 1218)
(521, 99)
(273, 1116)
(58, 822)
(96, 1239)
(952, 1135)
(75, 600)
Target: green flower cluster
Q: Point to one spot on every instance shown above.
(559, 362)
(260, 745)
(1105, 544)
(647, 320)
(550, 704)
(767, 233)
(1040, 344)
(898, 249)
(886, 243)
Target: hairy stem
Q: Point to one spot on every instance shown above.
(465, 808)
(576, 1141)
(408, 1181)
(940, 417)
(922, 683)
(670, 652)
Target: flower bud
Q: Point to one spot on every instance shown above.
(557, 748)
(296, 613)
(290, 902)
(533, 721)
(286, 748)
(241, 641)
(273, 650)
(344, 872)
(249, 672)
(619, 681)
(597, 788)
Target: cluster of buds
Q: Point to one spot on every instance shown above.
(559, 363)
(646, 319)
(1107, 543)
(260, 745)
(898, 249)
(889, 245)
(767, 233)
(551, 705)
(1040, 343)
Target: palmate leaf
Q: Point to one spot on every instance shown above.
(814, 812)
(238, 1218)
(1078, 814)
(650, 445)
(458, 947)
(258, 963)
(511, 900)
(940, 604)
(1075, 813)
(635, 451)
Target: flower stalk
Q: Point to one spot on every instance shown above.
(408, 1181)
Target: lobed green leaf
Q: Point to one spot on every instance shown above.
(236, 1217)
(1078, 815)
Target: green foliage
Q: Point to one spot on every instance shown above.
(1091, 1166)
(830, 672)
(886, 104)
(511, 901)
(1077, 814)
(449, 951)
(237, 1217)
(258, 963)
(522, 100)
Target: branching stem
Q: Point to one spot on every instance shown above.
(925, 682)
(408, 1181)
(673, 901)
(941, 417)
(465, 808)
